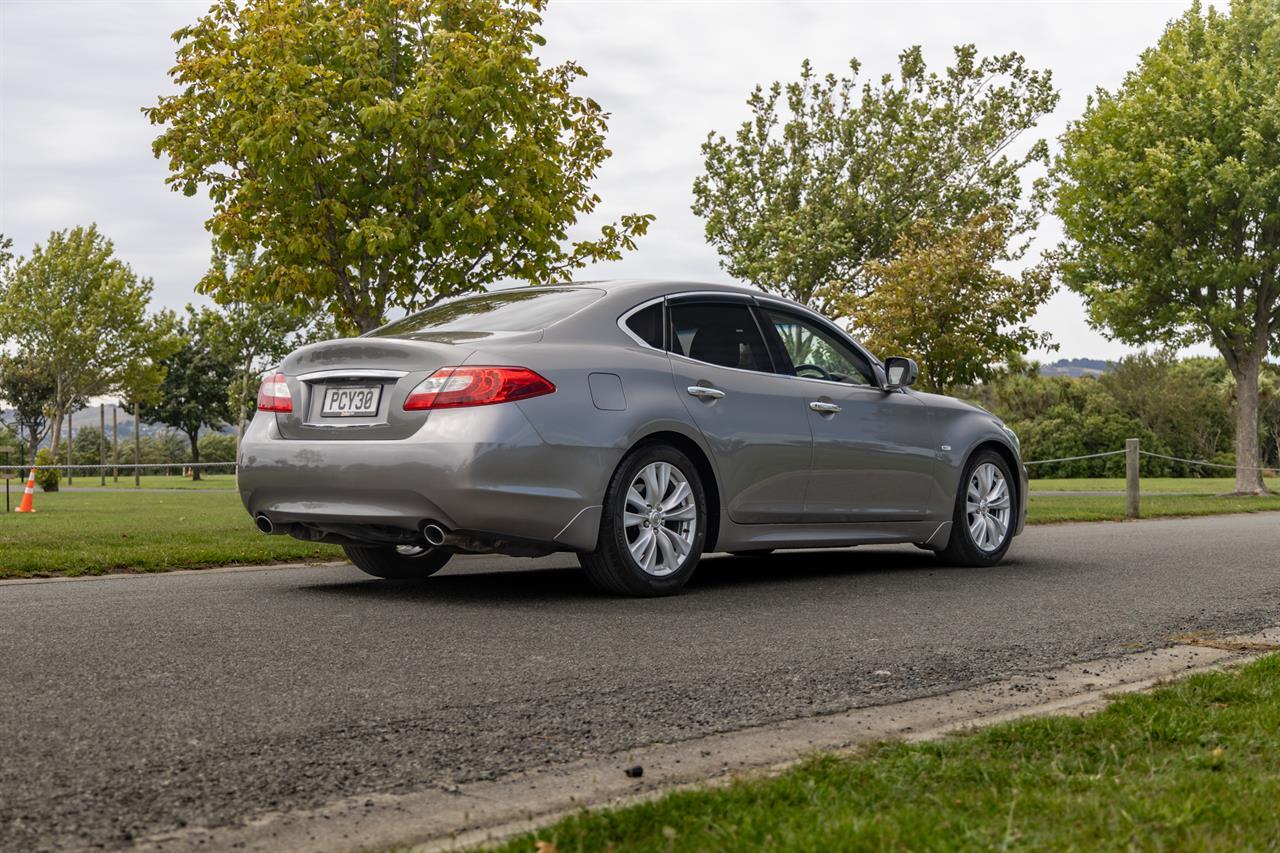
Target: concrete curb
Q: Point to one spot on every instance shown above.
(467, 815)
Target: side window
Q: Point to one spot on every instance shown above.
(647, 325)
(816, 353)
(722, 333)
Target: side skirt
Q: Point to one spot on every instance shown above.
(743, 537)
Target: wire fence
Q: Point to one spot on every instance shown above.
(116, 471)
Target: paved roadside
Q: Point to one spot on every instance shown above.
(142, 705)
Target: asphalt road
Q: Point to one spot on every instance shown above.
(133, 705)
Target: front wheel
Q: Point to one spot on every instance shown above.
(397, 562)
(983, 520)
(653, 526)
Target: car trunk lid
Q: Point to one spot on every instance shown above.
(354, 389)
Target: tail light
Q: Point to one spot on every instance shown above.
(453, 387)
(274, 396)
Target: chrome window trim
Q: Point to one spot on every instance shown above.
(351, 373)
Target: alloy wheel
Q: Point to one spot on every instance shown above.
(988, 507)
(660, 519)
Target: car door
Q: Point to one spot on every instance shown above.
(874, 454)
(755, 421)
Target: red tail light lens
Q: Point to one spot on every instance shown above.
(452, 387)
(274, 396)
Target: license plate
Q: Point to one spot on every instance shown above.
(350, 401)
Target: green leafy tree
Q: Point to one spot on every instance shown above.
(194, 391)
(258, 335)
(6, 253)
(942, 300)
(28, 390)
(79, 315)
(1168, 196)
(383, 154)
(218, 447)
(1186, 403)
(827, 176)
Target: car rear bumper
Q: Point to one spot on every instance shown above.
(482, 471)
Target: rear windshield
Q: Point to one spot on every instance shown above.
(525, 309)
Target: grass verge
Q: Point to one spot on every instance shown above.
(1182, 485)
(76, 533)
(214, 482)
(1191, 766)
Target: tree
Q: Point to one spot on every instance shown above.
(258, 336)
(800, 202)
(942, 301)
(28, 389)
(194, 391)
(79, 315)
(1184, 402)
(1167, 192)
(6, 253)
(383, 154)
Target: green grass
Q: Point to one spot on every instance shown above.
(1192, 766)
(1047, 509)
(75, 533)
(95, 532)
(149, 481)
(1183, 485)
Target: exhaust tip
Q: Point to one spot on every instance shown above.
(264, 524)
(434, 534)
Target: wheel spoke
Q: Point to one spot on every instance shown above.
(978, 530)
(684, 513)
(669, 559)
(634, 519)
(634, 499)
(678, 494)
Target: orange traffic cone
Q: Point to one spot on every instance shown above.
(28, 497)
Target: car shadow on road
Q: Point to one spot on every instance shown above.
(535, 581)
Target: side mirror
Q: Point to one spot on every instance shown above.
(900, 372)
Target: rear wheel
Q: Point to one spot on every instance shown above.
(653, 526)
(397, 562)
(983, 520)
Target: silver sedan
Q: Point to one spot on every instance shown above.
(639, 424)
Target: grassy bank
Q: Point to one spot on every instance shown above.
(148, 481)
(1181, 485)
(1190, 767)
(76, 533)
(205, 525)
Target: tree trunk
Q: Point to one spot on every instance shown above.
(1248, 458)
(195, 454)
(54, 435)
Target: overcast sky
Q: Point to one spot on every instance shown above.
(75, 148)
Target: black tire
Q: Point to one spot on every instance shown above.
(611, 566)
(387, 562)
(962, 550)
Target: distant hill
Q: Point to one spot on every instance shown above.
(1075, 367)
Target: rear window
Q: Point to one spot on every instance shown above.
(525, 309)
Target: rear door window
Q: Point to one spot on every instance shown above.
(525, 309)
(721, 333)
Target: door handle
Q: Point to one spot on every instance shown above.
(705, 392)
(824, 408)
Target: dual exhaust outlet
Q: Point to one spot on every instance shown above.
(435, 535)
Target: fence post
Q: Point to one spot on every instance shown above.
(70, 470)
(102, 444)
(1131, 476)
